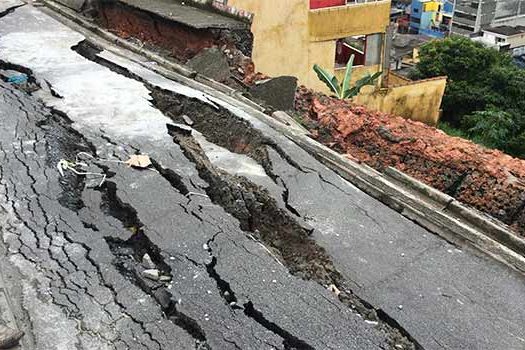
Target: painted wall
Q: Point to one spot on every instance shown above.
(283, 42)
(420, 100)
(515, 41)
(344, 21)
(289, 39)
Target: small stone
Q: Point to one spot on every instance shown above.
(333, 288)
(400, 307)
(233, 303)
(187, 120)
(163, 297)
(165, 278)
(205, 246)
(226, 294)
(152, 274)
(240, 70)
(147, 262)
(403, 255)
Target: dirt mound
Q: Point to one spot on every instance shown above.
(488, 180)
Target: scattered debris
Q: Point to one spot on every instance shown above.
(147, 262)
(333, 288)
(165, 278)
(19, 78)
(187, 120)
(64, 165)
(279, 93)
(141, 161)
(211, 63)
(9, 337)
(152, 274)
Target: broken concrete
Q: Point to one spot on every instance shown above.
(235, 293)
(279, 93)
(182, 31)
(76, 5)
(212, 63)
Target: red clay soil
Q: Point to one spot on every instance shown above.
(181, 41)
(488, 180)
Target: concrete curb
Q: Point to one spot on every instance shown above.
(430, 208)
(493, 228)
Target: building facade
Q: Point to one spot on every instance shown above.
(471, 16)
(505, 38)
(431, 18)
(290, 36)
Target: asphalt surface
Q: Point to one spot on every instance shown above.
(74, 250)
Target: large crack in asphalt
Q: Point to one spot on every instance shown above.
(217, 124)
(42, 139)
(258, 213)
(10, 10)
(64, 142)
(130, 252)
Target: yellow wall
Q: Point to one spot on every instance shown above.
(282, 36)
(357, 72)
(289, 39)
(431, 6)
(395, 79)
(280, 28)
(343, 21)
(418, 100)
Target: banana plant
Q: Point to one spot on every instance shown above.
(343, 90)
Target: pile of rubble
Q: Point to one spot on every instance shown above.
(488, 180)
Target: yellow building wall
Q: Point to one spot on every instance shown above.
(395, 79)
(343, 21)
(420, 100)
(282, 38)
(281, 43)
(358, 72)
(289, 39)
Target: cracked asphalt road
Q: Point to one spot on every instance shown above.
(250, 230)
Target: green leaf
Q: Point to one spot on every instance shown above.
(329, 79)
(366, 80)
(348, 75)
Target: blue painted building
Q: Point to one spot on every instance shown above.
(431, 17)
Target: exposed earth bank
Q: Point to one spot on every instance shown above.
(488, 180)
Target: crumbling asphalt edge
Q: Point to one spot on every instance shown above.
(454, 222)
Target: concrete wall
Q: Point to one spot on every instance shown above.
(287, 35)
(289, 39)
(281, 44)
(343, 21)
(420, 100)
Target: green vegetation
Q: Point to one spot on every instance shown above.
(343, 90)
(485, 95)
